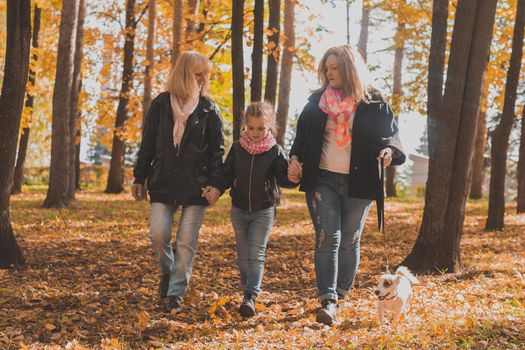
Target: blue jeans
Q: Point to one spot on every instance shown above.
(338, 222)
(252, 231)
(180, 264)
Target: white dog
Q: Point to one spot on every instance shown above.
(394, 292)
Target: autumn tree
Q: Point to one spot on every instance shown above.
(363, 33)
(501, 134)
(257, 51)
(478, 166)
(285, 81)
(237, 65)
(274, 32)
(59, 172)
(11, 103)
(74, 115)
(177, 31)
(18, 176)
(452, 131)
(521, 166)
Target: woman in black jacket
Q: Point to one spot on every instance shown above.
(180, 157)
(342, 132)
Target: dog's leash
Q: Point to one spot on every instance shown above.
(380, 200)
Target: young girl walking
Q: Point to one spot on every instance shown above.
(254, 167)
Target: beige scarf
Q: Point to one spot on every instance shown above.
(181, 112)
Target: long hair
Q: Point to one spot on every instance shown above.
(352, 68)
(181, 80)
(262, 110)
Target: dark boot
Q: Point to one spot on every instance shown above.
(174, 304)
(247, 308)
(326, 314)
(164, 285)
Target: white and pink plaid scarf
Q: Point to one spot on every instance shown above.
(258, 147)
(339, 110)
(181, 112)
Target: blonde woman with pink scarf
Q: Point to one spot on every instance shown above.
(180, 158)
(342, 132)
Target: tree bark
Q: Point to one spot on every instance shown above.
(397, 91)
(363, 34)
(500, 137)
(191, 20)
(116, 169)
(257, 51)
(286, 70)
(18, 177)
(274, 25)
(478, 166)
(77, 156)
(60, 168)
(75, 112)
(436, 65)
(437, 246)
(18, 18)
(521, 167)
(177, 31)
(237, 66)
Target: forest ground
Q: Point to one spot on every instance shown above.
(91, 282)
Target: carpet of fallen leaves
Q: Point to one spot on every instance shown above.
(91, 283)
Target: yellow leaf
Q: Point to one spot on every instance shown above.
(50, 327)
(223, 301)
(260, 307)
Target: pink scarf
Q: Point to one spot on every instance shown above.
(258, 147)
(339, 110)
(181, 112)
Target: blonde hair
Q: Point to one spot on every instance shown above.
(262, 109)
(352, 68)
(181, 80)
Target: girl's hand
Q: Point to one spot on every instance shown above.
(386, 154)
(136, 191)
(295, 170)
(211, 193)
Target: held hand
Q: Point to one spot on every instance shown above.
(295, 170)
(211, 194)
(136, 191)
(386, 154)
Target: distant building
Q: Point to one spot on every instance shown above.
(419, 171)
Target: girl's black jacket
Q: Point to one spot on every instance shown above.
(177, 176)
(254, 178)
(374, 128)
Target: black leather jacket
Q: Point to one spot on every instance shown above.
(254, 178)
(176, 176)
(374, 128)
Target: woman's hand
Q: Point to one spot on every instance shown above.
(386, 154)
(136, 191)
(211, 194)
(295, 170)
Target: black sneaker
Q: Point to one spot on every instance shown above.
(174, 304)
(326, 314)
(164, 285)
(247, 308)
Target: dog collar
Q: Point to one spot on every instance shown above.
(395, 295)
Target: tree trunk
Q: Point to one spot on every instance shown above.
(286, 70)
(436, 65)
(521, 167)
(18, 18)
(18, 177)
(177, 31)
(363, 34)
(397, 91)
(60, 168)
(150, 68)
(191, 19)
(478, 168)
(75, 112)
(274, 25)
(77, 156)
(437, 247)
(237, 66)
(500, 138)
(116, 168)
(257, 51)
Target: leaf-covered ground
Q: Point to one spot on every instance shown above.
(91, 282)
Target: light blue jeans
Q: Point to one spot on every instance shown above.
(252, 231)
(179, 263)
(338, 222)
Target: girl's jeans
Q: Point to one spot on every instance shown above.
(338, 222)
(252, 231)
(179, 263)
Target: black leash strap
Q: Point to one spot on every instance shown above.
(380, 201)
